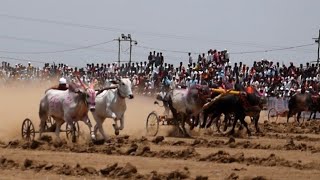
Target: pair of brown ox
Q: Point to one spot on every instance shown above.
(300, 102)
(247, 103)
(190, 103)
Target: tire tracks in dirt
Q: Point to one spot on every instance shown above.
(111, 171)
(125, 146)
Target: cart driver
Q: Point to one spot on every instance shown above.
(62, 84)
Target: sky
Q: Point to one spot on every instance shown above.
(63, 31)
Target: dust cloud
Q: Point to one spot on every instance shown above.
(21, 101)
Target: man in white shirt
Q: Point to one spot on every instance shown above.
(190, 58)
(209, 57)
(173, 83)
(226, 55)
(188, 82)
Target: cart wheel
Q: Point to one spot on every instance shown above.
(152, 124)
(27, 130)
(273, 115)
(73, 134)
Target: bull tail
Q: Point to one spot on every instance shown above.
(291, 106)
(173, 110)
(291, 103)
(43, 113)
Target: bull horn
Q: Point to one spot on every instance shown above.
(93, 83)
(83, 85)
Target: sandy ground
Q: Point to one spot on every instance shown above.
(282, 152)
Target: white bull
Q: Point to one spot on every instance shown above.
(67, 106)
(112, 104)
(186, 103)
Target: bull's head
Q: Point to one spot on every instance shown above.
(124, 87)
(88, 93)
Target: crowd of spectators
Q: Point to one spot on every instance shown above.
(155, 74)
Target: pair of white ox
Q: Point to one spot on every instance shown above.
(74, 104)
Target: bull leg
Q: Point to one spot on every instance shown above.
(87, 121)
(114, 117)
(166, 108)
(310, 116)
(121, 122)
(58, 127)
(95, 129)
(204, 122)
(298, 117)
(235, 120)
(256, 124)
(215, 116)
(314, 115)
(227, 121)
(288, 116)
(69, 120)
(177, 122)
(205, 114)
(43, 114)
(196, 120)
(191, 122)
(234, 125)
(183, 123)
(115, 127)
(99, 122)
(218, 124)
(245, 124)
(99, 125)
(42, 126)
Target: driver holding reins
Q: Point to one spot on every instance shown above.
(62, 84)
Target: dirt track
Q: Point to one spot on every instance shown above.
(282, 152)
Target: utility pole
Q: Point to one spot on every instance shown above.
(119, 52)
(125, 38)
(317, 40)
(135, 43)
(119, 40)
(128, 38)
(130, 51)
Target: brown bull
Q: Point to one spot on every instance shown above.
(303, 102)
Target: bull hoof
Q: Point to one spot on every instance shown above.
(258, 131)
(108, 141)
(74, 139)
(98, 142)
(191, 128)
(196, 124)
(229, 133)
(116, 133)
(93, 137)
